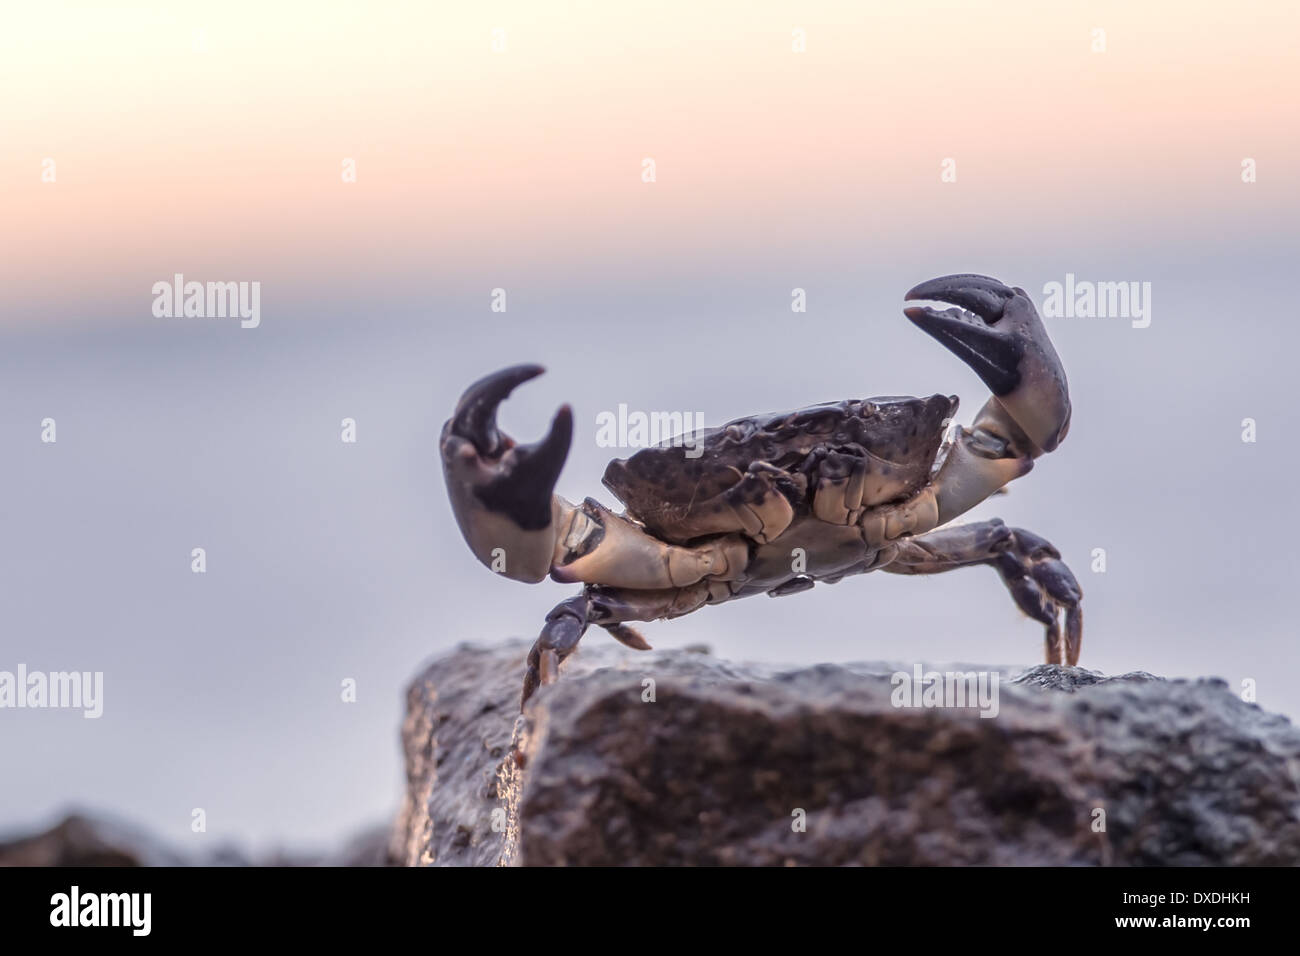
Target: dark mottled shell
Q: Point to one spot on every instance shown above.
(904, 434)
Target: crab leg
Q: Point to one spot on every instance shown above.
(608, 608)
(600, 547)
(1031, 568)
(564, 627)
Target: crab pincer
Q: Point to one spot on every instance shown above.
(501, 491)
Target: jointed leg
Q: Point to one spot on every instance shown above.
(1031, 568)
(564, 627)
(608, 608)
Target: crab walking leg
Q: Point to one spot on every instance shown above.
(1031, 568)
(608, 608)
(564, 627)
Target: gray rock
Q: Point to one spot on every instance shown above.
(728, 759)
(83, 838)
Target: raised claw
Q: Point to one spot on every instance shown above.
(983, 295)
(500, 491)
(971, 332)
(522, 489)
(475, 418)
(997, 332)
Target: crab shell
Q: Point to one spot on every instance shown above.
(898, 438)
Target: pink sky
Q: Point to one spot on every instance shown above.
(210, 140)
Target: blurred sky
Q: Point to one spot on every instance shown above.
(209, 138)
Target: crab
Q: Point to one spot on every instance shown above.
(775, 504)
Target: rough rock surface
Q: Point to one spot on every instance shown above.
(724, 763)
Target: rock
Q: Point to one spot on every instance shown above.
(730, 759)
(370, 847)
(85, 839)
(82, 840)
